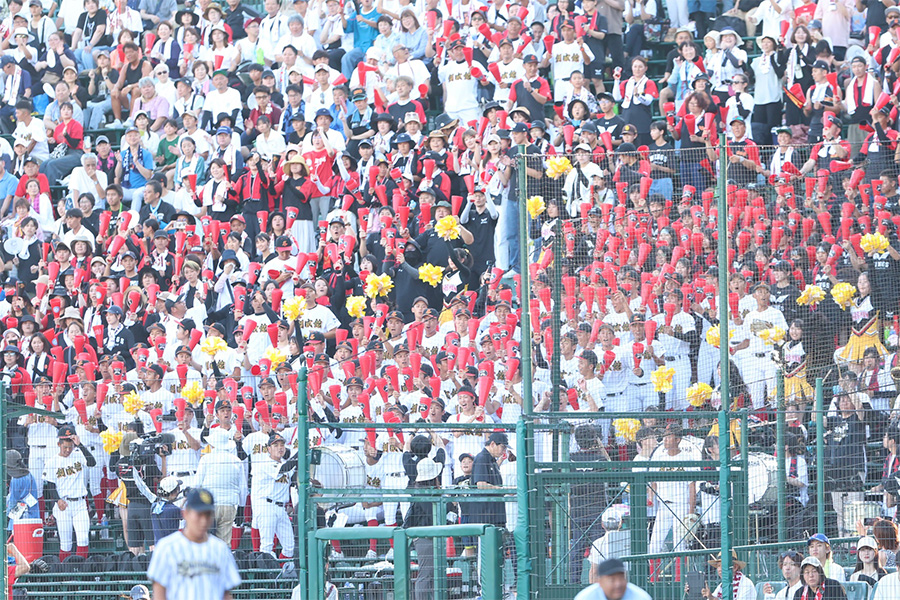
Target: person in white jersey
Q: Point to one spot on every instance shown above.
(65, 474)
(271, 487)
(190, 564)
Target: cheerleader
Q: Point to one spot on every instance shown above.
(296, 189)
(793, 360)
(865, 325)
(637, 95)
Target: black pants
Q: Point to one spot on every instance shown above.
(765, 117)
(634, 40)
(615, 48)
(140, 526)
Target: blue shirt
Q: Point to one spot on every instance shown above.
(416, 42)
(19, 489)
(363, 34)
(594, 592)
(8, 184)
(134, 178)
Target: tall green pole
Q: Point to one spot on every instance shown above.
(780, 427)
(820, 454)
(303, 504)
(724, 363)
(526, 368)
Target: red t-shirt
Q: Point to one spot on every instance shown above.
(321, 164)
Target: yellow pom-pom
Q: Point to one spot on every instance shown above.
(535, 206)
(447, 228)
(811, 296)
(132, 403)
(111, 440)
(293, 308)
(872, 243)
(193, 392)
(558, 166)
(378, 285)
(698, 394)
(276, 356)
(663, 379)
(772, 335)
(356, 306)
(712, 337)
(213, 345)
(843, 294)
(431, 274)
(627, 428)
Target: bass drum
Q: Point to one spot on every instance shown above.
(762, 477)
(340, 467)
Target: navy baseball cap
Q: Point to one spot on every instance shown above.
(200, 500)
(520, 128)
(819, 537)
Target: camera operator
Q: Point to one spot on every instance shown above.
(138, 472)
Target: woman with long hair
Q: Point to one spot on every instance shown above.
(888, 539)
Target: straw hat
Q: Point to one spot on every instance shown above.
(735, 561)
(295, 160)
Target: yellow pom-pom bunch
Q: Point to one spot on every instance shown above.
(663, 378)
(811, 296)
(132, 403)
(772, 335)
(535, 206)
(378, 285)
(213, 345)
(558, 166)
(276, 356)
(293, 308)
(713, 338)
(431, 274)
(843, 294)
(627, 428)
(699, 394)
(111, 440)
(447, 228)
(356, 306)
(873, 242)
(193, 392)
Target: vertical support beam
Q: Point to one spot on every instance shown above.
(304, 524)
(401, 566)
(521, 533)
(555, 375)
(316, 583)
(820, 453)
(780, 429)
(440, 591)
(724, 360)
(491, 564)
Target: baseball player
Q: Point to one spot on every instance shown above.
(256, 446)
(390, 444)
(676, 339)
(65, 476)
(272, 482)
(89, 433)
(676, 499)
(41, 435)
(758, 365)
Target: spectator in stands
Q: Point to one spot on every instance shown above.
(815, 583)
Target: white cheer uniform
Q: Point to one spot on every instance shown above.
(67, 474)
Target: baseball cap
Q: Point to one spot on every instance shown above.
(499, 438)
(820, 64)
(818, 537)
(167, 485)
(611, 566)
(200, 500)
(140, 592)
(223, 129)
(520, 128)
(283, 242)
(529, 58)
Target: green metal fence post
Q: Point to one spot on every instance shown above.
(401, 565)
(724, 363)
(781, 479)
(491, 565)
(315, 577)
(304, 524)
(521, 533)
(524, 442)
(820, 454)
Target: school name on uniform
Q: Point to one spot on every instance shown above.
(464, 76)
(68, 471)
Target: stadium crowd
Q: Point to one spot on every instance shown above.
(196, 200)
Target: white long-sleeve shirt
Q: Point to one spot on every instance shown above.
(222, 473)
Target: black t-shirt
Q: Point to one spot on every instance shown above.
(613, 125)
(661, 156)
(487, 470)
(133, 75)
(482, 227)
(88, 26)
(533, 160)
